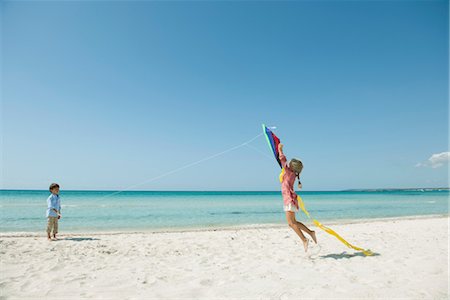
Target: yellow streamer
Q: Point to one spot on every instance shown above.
(281, 175)
(331, 231)
(324, 228)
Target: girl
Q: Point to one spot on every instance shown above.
(292, 171)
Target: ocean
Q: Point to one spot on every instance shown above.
(92, 211)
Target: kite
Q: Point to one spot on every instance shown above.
(274, 141)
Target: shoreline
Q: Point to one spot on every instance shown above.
(42, 233)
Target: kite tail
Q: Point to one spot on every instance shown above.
(331, 231)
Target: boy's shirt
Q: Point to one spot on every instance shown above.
(53, 202)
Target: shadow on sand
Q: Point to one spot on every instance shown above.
(80, 239)
(347, 255)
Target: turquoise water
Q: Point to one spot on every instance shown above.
(99, 211)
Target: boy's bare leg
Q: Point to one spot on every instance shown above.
(312, 233)
(290, 216)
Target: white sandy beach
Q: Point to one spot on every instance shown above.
(264, 262)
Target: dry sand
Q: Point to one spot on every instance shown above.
(411, 262)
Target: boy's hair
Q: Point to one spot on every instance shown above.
(53, 185)
(296, 165)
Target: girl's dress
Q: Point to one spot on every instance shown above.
(287, 186)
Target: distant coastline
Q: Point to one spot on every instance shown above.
(397, 189)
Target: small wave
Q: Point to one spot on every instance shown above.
(243, 212)
(12, 219)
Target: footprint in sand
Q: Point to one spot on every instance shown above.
(206, 282)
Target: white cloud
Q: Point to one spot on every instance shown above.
(436, 160)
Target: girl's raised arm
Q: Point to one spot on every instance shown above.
(281, 155)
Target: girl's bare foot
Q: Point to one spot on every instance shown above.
(313, 235)
(305, 244)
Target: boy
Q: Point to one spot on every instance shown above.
(53, 211)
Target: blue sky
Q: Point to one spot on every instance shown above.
(106, 95)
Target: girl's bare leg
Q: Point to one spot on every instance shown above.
(312, 233)
(290, 216)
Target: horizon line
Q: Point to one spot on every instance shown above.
(241, 191)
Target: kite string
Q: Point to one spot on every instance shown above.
(259, 151)
(185, 166)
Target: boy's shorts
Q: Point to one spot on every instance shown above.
(52, 225)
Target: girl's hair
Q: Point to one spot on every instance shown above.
(296, 166)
